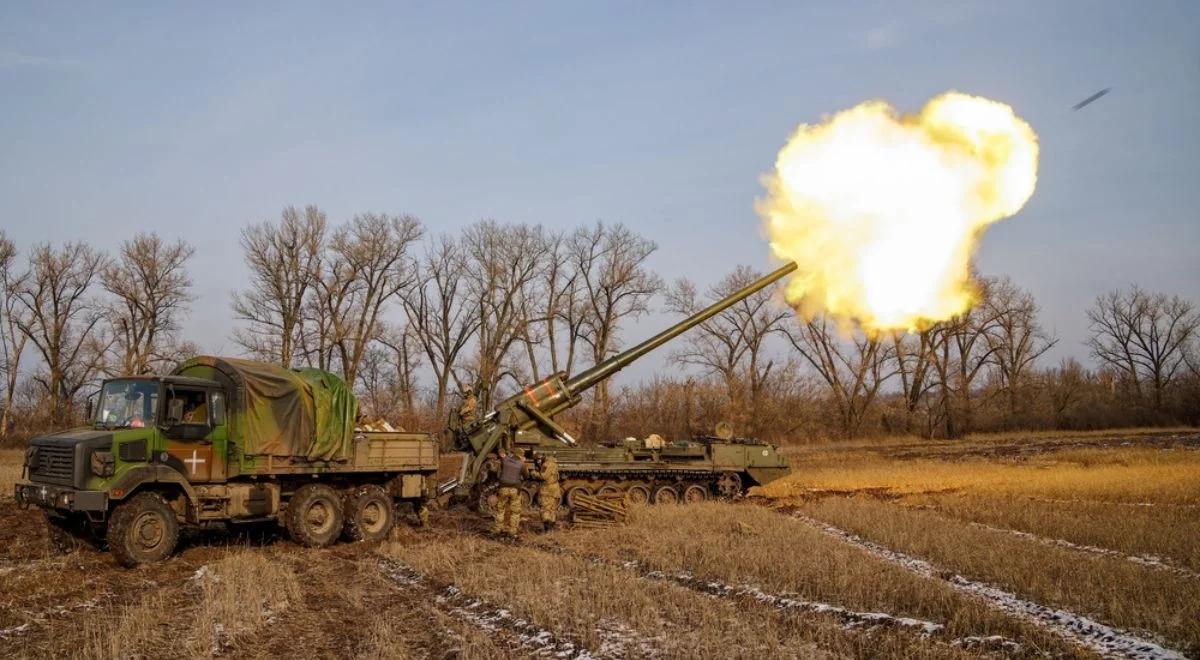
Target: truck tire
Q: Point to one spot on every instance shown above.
(314, 516)
(369, 513)
(142, 530)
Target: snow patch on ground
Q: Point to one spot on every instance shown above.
(487, 617)
(849, 618)
(40, 618)
(1081, 630)
(1174, 505)
(1150, 561)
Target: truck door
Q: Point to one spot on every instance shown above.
(192, 447)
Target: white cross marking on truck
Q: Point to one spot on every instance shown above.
(193, 461)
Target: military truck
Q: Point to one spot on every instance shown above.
(659, 472)
(223, 442)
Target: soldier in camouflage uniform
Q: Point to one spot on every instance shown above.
(549, 493)
(508, 496)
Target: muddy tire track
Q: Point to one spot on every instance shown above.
(517, 633)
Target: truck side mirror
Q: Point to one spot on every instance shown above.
(88, 408)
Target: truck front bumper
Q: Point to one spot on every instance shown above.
(60, 498)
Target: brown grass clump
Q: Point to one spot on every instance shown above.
(232, 598)
(1167, 532)
(613, 611)
(11, 461)
(781, 555)
(1112, 590)
(1133, 475)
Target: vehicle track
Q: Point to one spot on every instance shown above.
(517, 633)
(1085, 632)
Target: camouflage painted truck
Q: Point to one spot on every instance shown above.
(223, 442)
(711, 466)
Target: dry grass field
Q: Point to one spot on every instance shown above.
(1006, 546)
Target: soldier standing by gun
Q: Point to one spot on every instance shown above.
(549, 493)
(508, 502)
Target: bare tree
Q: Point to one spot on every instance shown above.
(610, 262)
(1065, 386)
(151, 288)
(438, 309)
(366, 268)
(12, 340)
(732, 344)
(915, 359)
(1015, 338)
(564, 310)
(1145, 336)
(402, 344)
(961, 354)
(854, 367)
(284, 261)
(503, 261)
(61, 321)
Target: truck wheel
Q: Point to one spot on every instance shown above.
(369, 514)
(142, 530)
(314, 516)
(66, 537)
(666, 495)
(695, 493)
(638, 494)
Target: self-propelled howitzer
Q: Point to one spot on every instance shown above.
(534, 408)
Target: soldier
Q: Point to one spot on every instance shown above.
(466, 409)
(508, 502)
(549, 493)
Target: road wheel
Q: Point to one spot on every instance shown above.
(638, 494)
(142, 530)
(574, 492)
(67, 536)
(369, 513)
(666, 495)
(314, 516)
(608, 488)
(695, 493)
(729, 485)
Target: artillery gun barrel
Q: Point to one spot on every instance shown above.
(612, 365)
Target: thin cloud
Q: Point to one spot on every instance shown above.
(882, 37)
(14, 60)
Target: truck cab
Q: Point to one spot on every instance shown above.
(162, 429)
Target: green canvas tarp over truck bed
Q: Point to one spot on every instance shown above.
(305, 413)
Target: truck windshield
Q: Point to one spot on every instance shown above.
(127, 404)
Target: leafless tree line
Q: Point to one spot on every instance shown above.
(413, 318)
(978, 371)
(73, 314)
(497, 305)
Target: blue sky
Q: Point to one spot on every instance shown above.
(193, 120)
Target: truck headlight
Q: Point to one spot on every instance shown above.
(103, 464)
